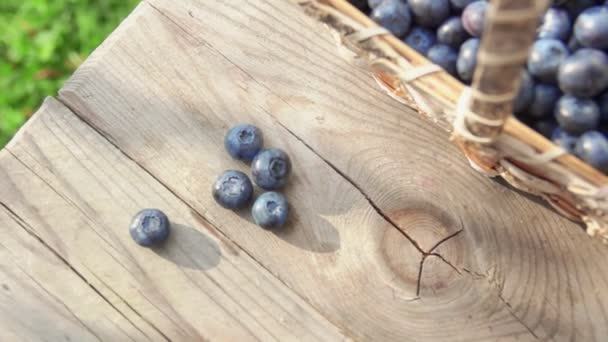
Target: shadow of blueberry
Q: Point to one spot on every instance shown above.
(190, 248)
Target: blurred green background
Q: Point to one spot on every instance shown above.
(42, 42)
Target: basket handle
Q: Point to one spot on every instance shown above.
(509, 33)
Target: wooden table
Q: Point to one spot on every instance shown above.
(392, 236)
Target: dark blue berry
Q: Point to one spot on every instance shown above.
(459, 5)
(243, 142)
(545, 58)
(555, 24)
(545, 97)
(467, 59)
(584, 73)
(149, 227)
(474, 17)
(564, 140)
(445, 56)
(271, 168)
(525, 95)
(592, 147)
(361, 5)
(232, 189)
(270, 210)
(394, 15)
(430, 13)
(420, 39)
(577, 115)
(573, 44)
(545, 127)
(591, 27)
(452, 33)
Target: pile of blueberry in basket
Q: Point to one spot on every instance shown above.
(564, 90)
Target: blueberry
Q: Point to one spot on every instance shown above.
(459, 5)
(592, 147)
(591, 27)
(467, 59)
(271, 168)
(545, 127)
(232, 189)
(573, 44)
(149, 227)
(270, 210)
(545, 97)
(577, 115)
(545, 58)
(430, 13)
(445, 56)
(584, 73)
(394, 15)
(525, 95)
(564, 140)
(420, 39)
(452, 32)
(555, 24)
(243, 141)
(474, 17)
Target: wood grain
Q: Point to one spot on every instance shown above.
(78, 194)
(496, 265)
(42, 298)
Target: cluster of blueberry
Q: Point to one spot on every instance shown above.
(564, 91)
(233, 189)
(270, 170)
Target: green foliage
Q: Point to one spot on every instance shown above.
(42, 42)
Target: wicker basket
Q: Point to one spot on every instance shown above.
(479, 117)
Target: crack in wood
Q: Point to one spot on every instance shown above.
(29, 230)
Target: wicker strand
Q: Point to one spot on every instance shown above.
(409, 75)
(367, 33)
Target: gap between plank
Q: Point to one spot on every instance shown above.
(28, 229)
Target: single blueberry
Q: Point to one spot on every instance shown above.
(232, 189)
(420, 39)
(545, 97)
(430, 13)
(243, 141)
(591, 27)
(545, 127)
(452, 32)
(584, 73)
(545, 58)
(592, 147)
(459, 5)
(149, 227)
(577, 115)
(474, 17)
(271, 168)
(555, 24)
(525, 95)
(564, 140)
(467, 59)
(393, 15)
(270, 210)
(445, 56)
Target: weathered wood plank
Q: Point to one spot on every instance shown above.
(41, 298)
(171, 81)
(78, 193)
